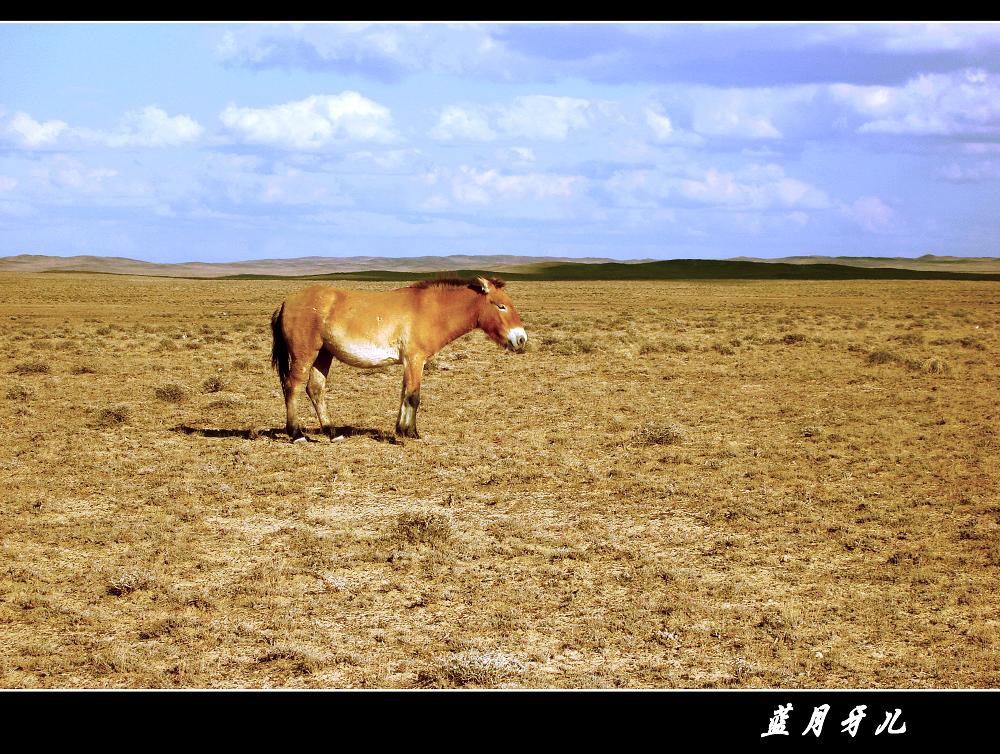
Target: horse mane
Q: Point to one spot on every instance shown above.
(456, 283)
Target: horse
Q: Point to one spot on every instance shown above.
(369, 329)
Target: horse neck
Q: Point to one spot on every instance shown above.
(458, 312)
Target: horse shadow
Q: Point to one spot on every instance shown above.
(279, 433)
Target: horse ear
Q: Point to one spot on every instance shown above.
(484, 284)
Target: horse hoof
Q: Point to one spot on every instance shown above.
(338, 438)
(303, 438)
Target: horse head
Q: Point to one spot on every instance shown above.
(497, 316)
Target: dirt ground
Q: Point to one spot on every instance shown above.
(679, 485)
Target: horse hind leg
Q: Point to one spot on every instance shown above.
(316, 388)
(297, 373)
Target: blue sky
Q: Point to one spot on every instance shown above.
(220, 142)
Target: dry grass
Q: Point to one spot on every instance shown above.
(658, 434)
(113, 416)
(171, 393)
(32, 367)
(18, 393)
(213, 384)
(473, 669)
(681, 485)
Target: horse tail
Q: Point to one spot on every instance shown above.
(279, 347)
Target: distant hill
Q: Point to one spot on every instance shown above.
(280, 267)
(676, 269)
(927, 262)
(532, 268)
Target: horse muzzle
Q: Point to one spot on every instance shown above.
(517, 339)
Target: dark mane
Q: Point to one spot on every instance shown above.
(455, 283)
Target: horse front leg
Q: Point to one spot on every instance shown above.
(413, 370)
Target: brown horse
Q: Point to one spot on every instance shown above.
(373, 329)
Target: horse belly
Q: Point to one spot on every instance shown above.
(366, 355)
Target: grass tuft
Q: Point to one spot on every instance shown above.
(658, 434)
(128, 582)
(19, 393)
(935, 365)
(113, 416)
(244, 364)
(884, 356)
(170, 393)
(471, 668)
(32, 367)
(213, 384)
(423, 528)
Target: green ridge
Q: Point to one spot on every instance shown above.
(675, 269)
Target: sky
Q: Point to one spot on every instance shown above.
(216, 142)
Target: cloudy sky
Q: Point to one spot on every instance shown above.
(222, 142)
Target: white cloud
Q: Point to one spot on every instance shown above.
(532, 117)
(728, 112)
(384, 51)
(871, 213)
(666, 132)
(147, 127)
(7, 183)
(753, 187)
(389, 159)
(312, 123)
(33, 134)
(961, 102)
(965, 102)
(742, 113)
(243, 180)
(471, 186)
(77, 177)
(457, 123)
(757, 187)
(662, 128)
(540, 116)
(521, 154)
(62, 172)
(934, 37)
(152, 127)
(905, 37)
(984, 170)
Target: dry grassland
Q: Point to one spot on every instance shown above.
(680, 485)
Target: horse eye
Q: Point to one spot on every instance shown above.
(501, 307)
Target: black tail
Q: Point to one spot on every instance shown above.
(279, 348)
